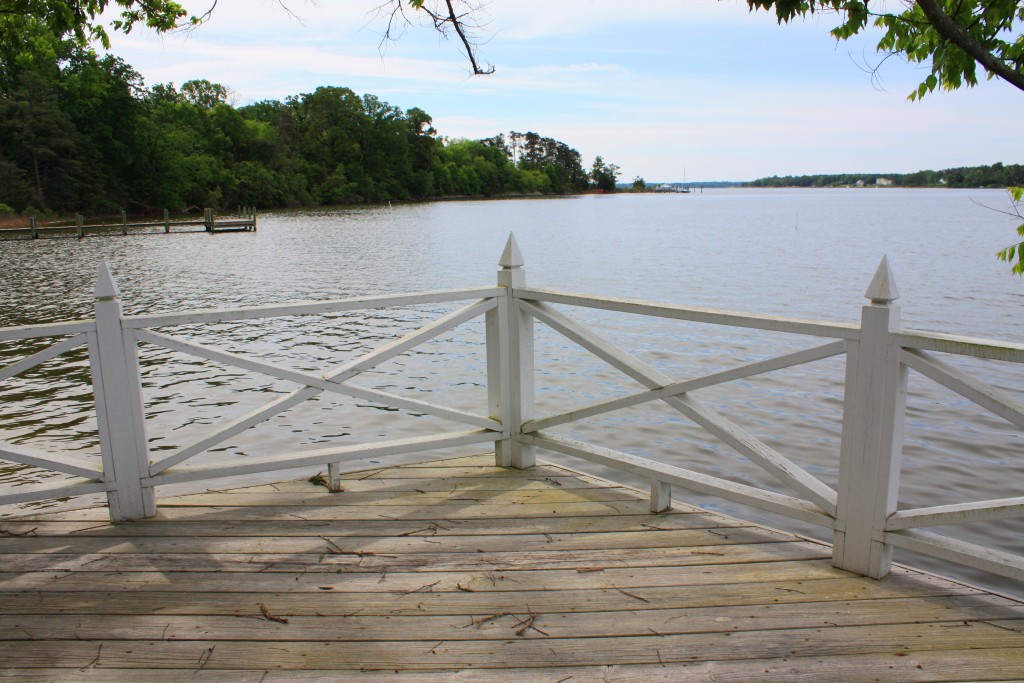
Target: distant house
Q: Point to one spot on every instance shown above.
(883, 182)
(859, 183)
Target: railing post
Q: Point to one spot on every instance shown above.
(114, 361)
(167, 221)
(872, 442)
(661, 496)
(510, 362)
(79, 224)
(124, 222)
(35, 227)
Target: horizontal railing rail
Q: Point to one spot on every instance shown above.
(309, 307)
(862, 511)
(815, 328)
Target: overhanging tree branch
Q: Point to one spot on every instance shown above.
(948, 28)
(446, 17)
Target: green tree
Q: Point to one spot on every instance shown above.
(204, 94)
(639, 184)
(80, 19)
(604, 175)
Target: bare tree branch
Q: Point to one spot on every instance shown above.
(445, 17)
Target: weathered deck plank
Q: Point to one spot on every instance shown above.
(458, 570)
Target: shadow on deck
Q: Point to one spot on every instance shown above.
(458, 570)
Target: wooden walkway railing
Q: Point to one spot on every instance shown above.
(245, 221)
(861, 511)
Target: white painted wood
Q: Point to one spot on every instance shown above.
(119, 406)
(676, 388)
(98, 390)
(661, 495)
(516, 330)
(40, 357)
(814, 328)
(739, 439)
(499, 377)
(309, 307)
(959, 513)
(962, 346)
(431, 331)
(988, 397)
(872, 440)
(969, 554)
(51, 461)
(413, 339)
(687, 479)
(66, 489)
(236, 427)
(882, 289)
(322, 456)
(867, 524)
(758, 452)
(47, 330)
(334, 472)
(302, 378)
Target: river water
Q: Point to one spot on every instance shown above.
(797, 253)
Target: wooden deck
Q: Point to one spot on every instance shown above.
(459, 570)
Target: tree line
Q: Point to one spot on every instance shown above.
(996, 175)
(82, 132)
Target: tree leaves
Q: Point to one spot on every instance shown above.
(1014, 254)
(954, 36)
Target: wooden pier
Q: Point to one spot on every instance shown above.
(463, 571)
(496, 566)
(245, 221)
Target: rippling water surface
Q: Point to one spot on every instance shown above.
(798, 253)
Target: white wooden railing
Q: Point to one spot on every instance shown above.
(862, 512)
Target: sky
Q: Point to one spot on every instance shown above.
(668, 90)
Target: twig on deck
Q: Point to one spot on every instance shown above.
(429, 588)
(271, 617)
(527, 624)
(483, 620)
(632, 595)
(15, 534)
(335, 549)
(495, 578)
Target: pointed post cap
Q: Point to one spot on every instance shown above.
(511, 257)
(106, 288)
(882, 289)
